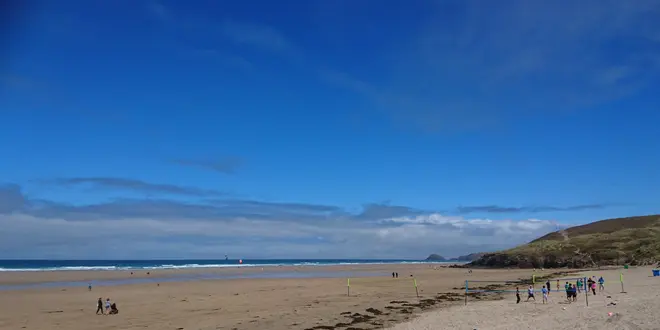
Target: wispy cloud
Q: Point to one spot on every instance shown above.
(134, 185)
(374, 211)
(11, 198)
(528, 209)
(159, 10)
(254, 35)
(245, 228)
(468, 65)
(227, 165)
(260, 36)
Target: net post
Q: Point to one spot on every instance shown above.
(466, 291)
(415, 282)
(586, 292)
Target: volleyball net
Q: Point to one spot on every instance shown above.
(508, 286)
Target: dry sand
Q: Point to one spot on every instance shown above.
(376, 302)
(639, 308)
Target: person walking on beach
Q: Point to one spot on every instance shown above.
(557, 285)
(397, 275)
(601, 284)
(544, 290)
(593, 288)
(517, 296)
(547, 285)
(530, 293)
(107, 305)
(99, 306)
(392, 274)
(578, 285)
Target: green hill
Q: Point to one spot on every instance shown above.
(633, 240)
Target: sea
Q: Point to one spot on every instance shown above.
(267, 269)
(96, 265)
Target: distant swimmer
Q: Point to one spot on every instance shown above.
(226, 258)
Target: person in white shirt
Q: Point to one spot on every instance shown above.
(530, 293)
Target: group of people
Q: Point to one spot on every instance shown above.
(571, 289)
(110, 307)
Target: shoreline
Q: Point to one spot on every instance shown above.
(194, 264)
(244, 304)
(47, 276)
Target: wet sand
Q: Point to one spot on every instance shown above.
(375, 301)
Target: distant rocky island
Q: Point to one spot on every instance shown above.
(621, 241)
(466, 258)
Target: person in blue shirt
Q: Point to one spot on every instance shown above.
(544, 290)
(572, 292)
(601, 284)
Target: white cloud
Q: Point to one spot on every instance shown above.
(26, 236)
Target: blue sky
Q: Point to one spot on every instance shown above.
(372, 129)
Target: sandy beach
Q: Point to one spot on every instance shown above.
(376, 301)
(637, 308)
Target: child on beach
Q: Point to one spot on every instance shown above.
(544, 290)
(517, 296)
(107, 305)
(557, 285)
(574, 293)
(578, 285)
(569, 293)
(601, 284)
(530, 293)
(593, 288)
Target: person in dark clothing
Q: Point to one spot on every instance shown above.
(113, 309)
(397, 275)
(574, 293)
(99, 306)
(517, 296)
(547, 285)
(392, 274)
(591, 286)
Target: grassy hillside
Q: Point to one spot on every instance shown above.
(633, 240)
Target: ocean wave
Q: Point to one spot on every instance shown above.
(69, 268)
(198, 265)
